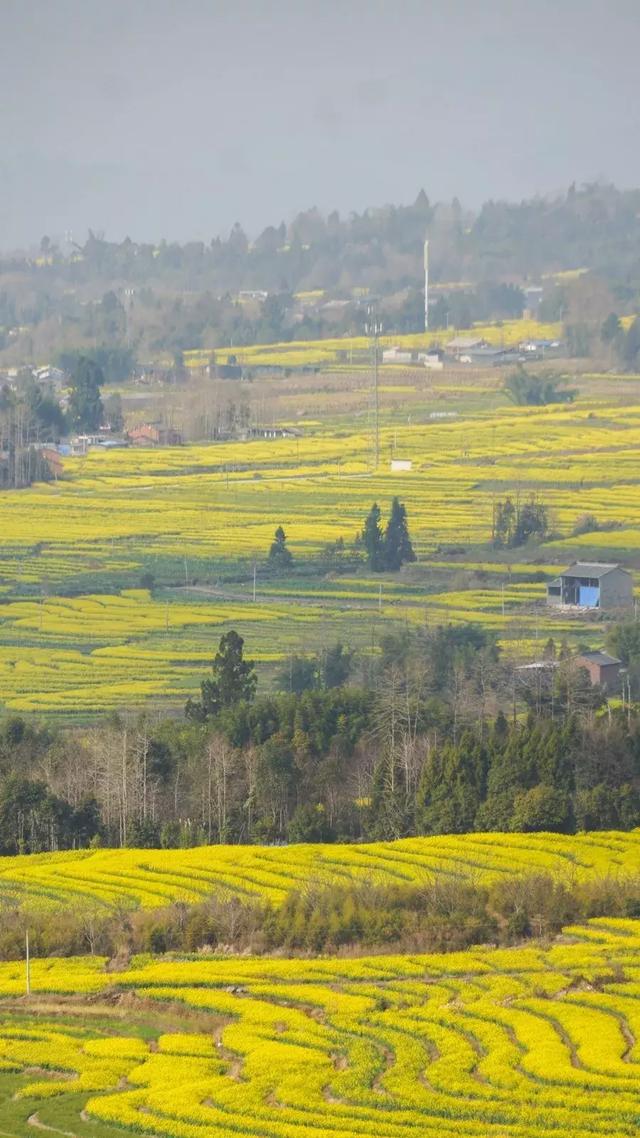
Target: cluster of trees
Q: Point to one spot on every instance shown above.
(527, 390)
(31, 415)
(537, 776)
(27, 417)
(625, 344)
(114, 361)
(389, 549)
(516, 523)
(385, 550)
(419, 742)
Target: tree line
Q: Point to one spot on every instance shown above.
(438, 734)
(168, 297)
(435, 915)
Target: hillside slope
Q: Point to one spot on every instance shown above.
(152, 878)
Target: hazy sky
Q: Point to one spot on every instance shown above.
(176, 118)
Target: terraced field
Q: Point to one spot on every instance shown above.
(520, 1043)
(79, 635)
(151, 878)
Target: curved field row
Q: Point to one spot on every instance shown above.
(510, 1043)
(150, 878)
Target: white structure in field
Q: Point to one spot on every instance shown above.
(396, 355)
(400, 464)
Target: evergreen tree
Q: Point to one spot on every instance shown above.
(234, 680)
(630, 347)
(397, 543)
(451, 787)
(298, 674)
(85, 405)
(279, 556)
(373, 540)
(335, 666)
(611, 329)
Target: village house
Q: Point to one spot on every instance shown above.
(602, 668)
(591, 585)
(53, 460)
(152, 435)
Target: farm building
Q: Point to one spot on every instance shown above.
(491, 356)
(591, 585)
(433, 359)
(461, 345)
(151, 435)
(396, 355)
(272, 433)
(53, 460)
(602, 669)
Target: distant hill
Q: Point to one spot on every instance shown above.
(173, 297)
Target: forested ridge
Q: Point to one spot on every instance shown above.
(170, 297)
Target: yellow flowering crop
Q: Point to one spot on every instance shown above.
(487, 1042)
(74, 641)
(154, 877)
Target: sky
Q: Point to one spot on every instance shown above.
(175, 118)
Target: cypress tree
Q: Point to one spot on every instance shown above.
(397, 543)
(373, 540)
(85, 405)
(279, 555)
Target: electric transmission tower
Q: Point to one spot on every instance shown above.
(373, 328)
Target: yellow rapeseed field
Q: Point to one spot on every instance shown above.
(154, 877)
(528, 1042)
(311, 353)
(76, 638)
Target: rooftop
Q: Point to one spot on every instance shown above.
(601, 658)
(590, 569)
(466, 342)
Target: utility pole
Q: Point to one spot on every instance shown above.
(27, 961)
(128, 306)
(255, 573)
(426, 288)
(373, 328)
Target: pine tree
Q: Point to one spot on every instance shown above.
(233, 680)
(397, 543)
(373, 540)
(279, 556)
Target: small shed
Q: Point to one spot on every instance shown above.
(602, 668)
(591, 585)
